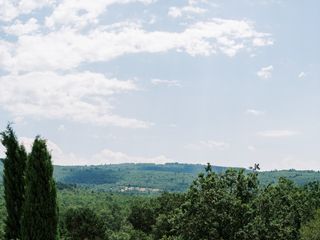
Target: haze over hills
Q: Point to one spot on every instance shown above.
(155, 178)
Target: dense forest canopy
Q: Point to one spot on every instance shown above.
(231, 204)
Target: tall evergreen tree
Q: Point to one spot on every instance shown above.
(40, 215)
(14, 184)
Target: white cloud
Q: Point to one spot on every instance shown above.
(260, 42)
(251, 148)
(278, 133)
(58, 157)
(208, 144)
(61, 128)
(173, 125)
(10, 9)
(64, 11)
(80, 97)
(67, 48)
(107, 156)
(302, 75)
(193, 7)
(19, 28)
(176, 12)
(255, 112)
(80, 13)
(291, 161)
(169, 83)
(265, 72)
(5, 53)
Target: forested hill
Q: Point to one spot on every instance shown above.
(146, 178)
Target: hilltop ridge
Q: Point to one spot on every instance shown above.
(145, 177)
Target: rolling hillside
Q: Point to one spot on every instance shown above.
(154, 178)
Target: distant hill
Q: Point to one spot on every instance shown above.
(132, 177)
(153, 177)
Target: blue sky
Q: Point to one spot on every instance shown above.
(230, 82)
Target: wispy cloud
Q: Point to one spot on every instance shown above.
(193, 7)
(168, 83)
(251, 148)
(10, 10)
(208, 144)
(278, 133)
(42, 76)
(19, 28)
(105, 156)
(302, 75)
(61, 128)
(176, 12)
(66, 48)
(255, 112)
(80, 97)
(265, 72)
(80, 13)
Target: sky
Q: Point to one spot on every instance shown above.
(230, 82)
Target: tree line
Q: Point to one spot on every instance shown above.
(217, 206)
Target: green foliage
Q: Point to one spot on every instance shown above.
(139, 235)
(130, 178)
(92, 176)
(84, 223)
(217, 206)
(311, 230)
(224, 206)
(119, 236)
(40, 215)
(232, 206)
(3, 213)
(152, 178)
(14, 184)
(142, 216)
(300, 178)
(278, 212)
(168, 202)
(165, 206)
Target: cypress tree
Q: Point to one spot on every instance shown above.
(13, 181)
(40, 215)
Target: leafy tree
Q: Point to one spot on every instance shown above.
(40, 214)
(168, 202)
(84, 223)
(311, 201)
(311, 230)
(165, 206)
(171, 238)
(139, 235)
(142, 216)
(164, 226)
(112, 216)
(119, 236)
(14, 184)
(278, 212)
(217, 206)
